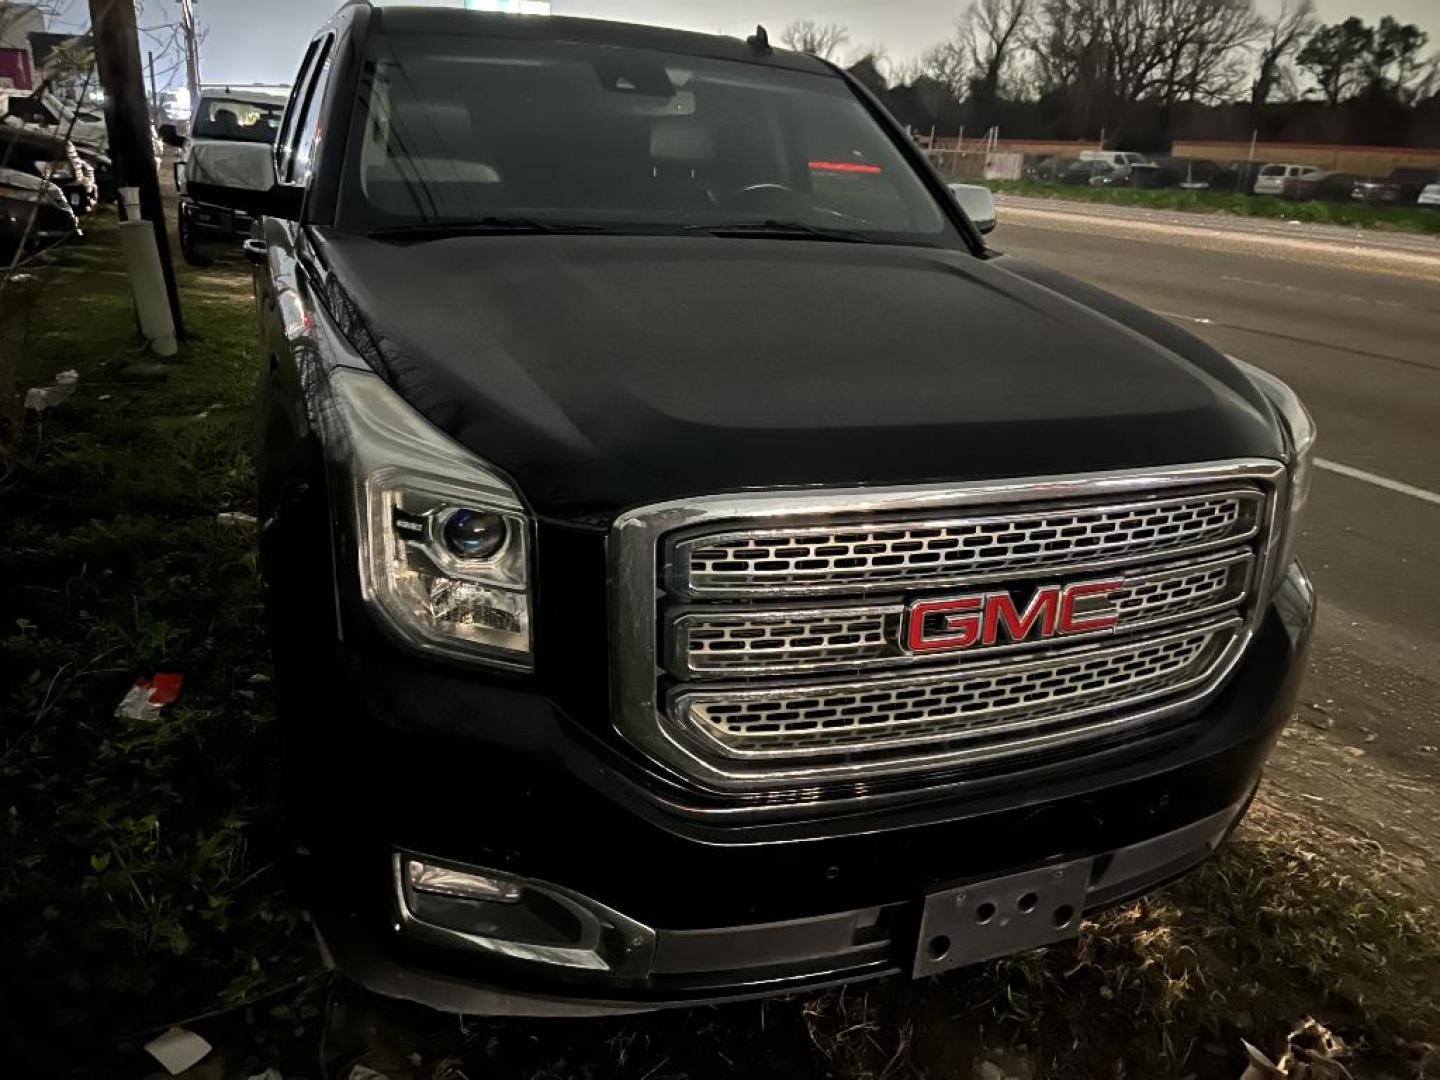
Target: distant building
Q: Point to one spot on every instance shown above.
(17, 23)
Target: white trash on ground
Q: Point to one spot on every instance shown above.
(177, 1050)
(41, 398)
(147, 697)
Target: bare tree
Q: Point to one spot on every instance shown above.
(818, 39)
(1067, 45)
(992, 34)
(1294, 22)
(948, 64)
(1138, 50)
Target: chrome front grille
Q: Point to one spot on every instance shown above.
(758, 641)
(969, 702)
(925, 552)
(760, 638)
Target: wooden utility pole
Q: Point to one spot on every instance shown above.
(192, 51)
(154, 94)
(117, 58)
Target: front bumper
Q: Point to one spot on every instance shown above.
(217, 221)
(734, 909)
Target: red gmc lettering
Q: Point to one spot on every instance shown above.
(979, 620)
(1044, 609)
(1103, 620)
(963, 627)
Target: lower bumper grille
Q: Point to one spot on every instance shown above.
(815, 679)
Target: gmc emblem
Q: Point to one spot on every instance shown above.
(964, 622)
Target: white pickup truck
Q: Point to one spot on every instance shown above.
(225, 169)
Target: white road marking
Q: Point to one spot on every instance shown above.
(1312, 292)
(1186, 318)
(1379, 481)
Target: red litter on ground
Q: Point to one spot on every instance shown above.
(147, 697)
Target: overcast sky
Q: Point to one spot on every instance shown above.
(262, 40)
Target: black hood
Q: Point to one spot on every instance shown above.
(604, 372)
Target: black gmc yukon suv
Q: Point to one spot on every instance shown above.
(698, 566)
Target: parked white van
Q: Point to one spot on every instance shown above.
(1272, 177)
(1117, 158)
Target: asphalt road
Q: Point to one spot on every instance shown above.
(1355, 328)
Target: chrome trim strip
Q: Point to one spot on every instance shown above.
(635, 584)
(677, 634)
(676, 568)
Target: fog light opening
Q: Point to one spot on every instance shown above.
(443, 881)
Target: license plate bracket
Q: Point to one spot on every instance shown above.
(986, 919)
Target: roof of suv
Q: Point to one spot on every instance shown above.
(457, 21)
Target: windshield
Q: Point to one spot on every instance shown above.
(237, 121)
(470, 129)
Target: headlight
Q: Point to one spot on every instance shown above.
(1300, 429)
(443, 539)
(55, 171)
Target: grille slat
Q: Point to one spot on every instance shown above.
(926, 553)
(712, 643)
(983, 702)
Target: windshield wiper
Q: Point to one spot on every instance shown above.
(783, 230)
(490, 226)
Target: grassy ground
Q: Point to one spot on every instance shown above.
(1399, 218)
(137, 859)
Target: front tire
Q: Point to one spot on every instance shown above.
(189, 242)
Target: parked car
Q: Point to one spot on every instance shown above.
(1043, 169)
(33, 213)
(44, 153)
(1429, 195)
(225, 170)
(1104, 174)
(1118, 159)
(84, 125)
(1077, 172)
(1401, 188)
(1321, 186)
(1235, 176)
(1190, 174)
(1114, 168)
(1272, 177)
(649, 629)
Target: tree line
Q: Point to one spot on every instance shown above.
(1142, 72)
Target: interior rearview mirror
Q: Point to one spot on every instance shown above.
(978, 203)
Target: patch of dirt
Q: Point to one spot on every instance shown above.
(1362, 755)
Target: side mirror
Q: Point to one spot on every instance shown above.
(978, 203)
(284, 201)
(171, 137)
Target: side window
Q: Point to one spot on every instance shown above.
(284, 141)
(307, 124)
